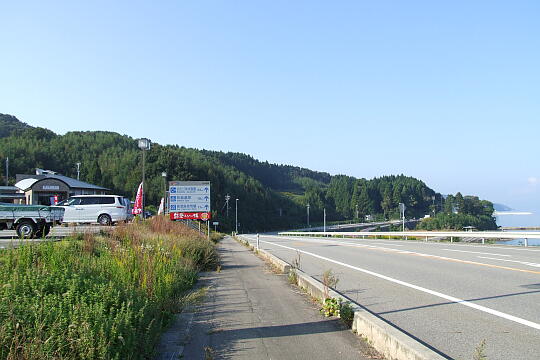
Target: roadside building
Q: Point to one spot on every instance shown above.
(11, 195)
(46, 187)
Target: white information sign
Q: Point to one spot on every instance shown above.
(189, 196)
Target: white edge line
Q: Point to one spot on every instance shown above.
(419, 288)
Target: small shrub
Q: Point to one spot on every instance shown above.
(293, 276)
(346, 313)
(331, 307)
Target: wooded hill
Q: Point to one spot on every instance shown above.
(270, 196)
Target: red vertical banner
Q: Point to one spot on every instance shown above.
(137, 207)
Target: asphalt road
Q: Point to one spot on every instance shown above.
(8, 238)
(449, 296)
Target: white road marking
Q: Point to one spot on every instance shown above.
(388, 244)
(514, 261)
(419, 288)
(476, 252)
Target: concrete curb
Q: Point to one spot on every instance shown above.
(386, 339)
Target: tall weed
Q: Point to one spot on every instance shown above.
(104, 296)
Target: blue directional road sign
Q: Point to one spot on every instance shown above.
(189, 196)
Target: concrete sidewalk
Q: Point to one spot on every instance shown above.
(252, 313)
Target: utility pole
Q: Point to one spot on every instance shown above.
(308, 215)
(78, 169)
(324, 220)
(357, 212)
(236, 216)
(402, 211)
(7, 170)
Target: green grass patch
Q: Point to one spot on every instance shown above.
(100, 297)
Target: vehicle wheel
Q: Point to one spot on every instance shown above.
(26, 229)
(104, 219)
(43, 231)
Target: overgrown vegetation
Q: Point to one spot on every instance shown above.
(278, 193)
(102, 297)
(293, 275)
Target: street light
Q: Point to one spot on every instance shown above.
(236, 221)
(164, 175)
(144, 145)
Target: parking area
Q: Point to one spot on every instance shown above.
(8, 238)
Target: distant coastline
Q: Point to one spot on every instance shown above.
(517, 218)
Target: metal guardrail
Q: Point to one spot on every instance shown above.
(424, 234)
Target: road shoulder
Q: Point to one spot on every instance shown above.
(252, 313)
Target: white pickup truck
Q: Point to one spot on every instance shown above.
(30, 221)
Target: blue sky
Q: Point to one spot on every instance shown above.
(446, 92)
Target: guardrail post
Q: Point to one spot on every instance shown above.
(483, 241)
(526, 243)
(257, 241)
(451, 239)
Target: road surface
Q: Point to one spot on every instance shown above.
(449, 296)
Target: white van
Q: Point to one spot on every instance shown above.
(101, 209)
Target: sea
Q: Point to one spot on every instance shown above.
(532, 220)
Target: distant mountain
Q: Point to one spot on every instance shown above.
(9, 124)
(501, 207)
(271, 196)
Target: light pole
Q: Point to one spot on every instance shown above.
(308, 216)
(144, 145)
(164, 175)
(236, 221)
